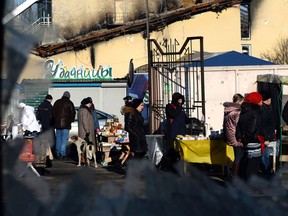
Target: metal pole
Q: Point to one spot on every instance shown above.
(149, 69)
(147, 20)
(203, 83)
(18, 11)
(1, 105)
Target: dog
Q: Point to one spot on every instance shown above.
(85, 149)
(91, 154)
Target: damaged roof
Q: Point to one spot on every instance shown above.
(156, 23)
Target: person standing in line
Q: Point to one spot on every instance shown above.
(249, 133)
(95, 117)
(175, 125)
(63, 115)
(269, 128)
(45, 118)
(231, 116)
(134, 125)
(86, 121)
(45, 113)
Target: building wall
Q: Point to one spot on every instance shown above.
(79, 16)
(221, 83)
(221, 32)
(268, 24)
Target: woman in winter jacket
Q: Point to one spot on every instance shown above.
(231, 116)
(249, 133)
(86, 121)
(134, 126)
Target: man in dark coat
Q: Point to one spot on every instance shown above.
(175, 125)
(63, 115)
(269, 128)
(44, 115)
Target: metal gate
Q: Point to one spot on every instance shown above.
(175, 68)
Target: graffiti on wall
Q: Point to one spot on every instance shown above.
(60, 71)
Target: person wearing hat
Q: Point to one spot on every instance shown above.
(127, 101)
(269, 128)
(44, 116)
(95, 117)
(134, 125)
(249, 132)
(175, 125)
(44, 113)
(86, 121)
(63, 114)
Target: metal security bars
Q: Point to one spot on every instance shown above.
(175, 68)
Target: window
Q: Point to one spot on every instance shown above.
(245, 21)
(246, 49)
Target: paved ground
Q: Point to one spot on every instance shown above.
(61, 173)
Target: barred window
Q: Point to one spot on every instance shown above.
(245, 21)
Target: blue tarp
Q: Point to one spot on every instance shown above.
(230, 58)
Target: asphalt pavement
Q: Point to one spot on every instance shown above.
(62, 171)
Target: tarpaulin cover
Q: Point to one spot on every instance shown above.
(273, 78)
(205, 151)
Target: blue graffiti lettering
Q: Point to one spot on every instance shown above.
(58, 71)
(73, 73)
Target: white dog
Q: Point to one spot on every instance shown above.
(87, 149)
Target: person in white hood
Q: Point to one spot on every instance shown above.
(28, 118)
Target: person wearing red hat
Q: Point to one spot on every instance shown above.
(250, 133)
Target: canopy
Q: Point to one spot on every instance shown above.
(272, 78)
(229, 58)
